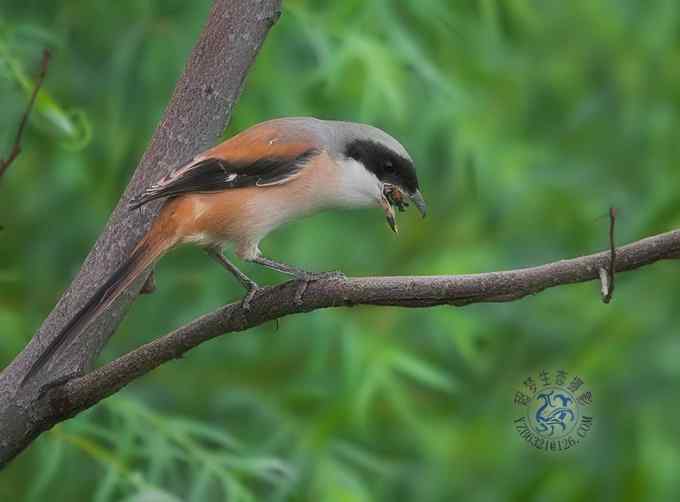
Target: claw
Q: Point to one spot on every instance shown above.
(245, 303)
(306, 277)
(299, 291)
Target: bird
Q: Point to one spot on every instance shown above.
(240, 190)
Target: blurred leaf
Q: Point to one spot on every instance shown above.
(71, 127)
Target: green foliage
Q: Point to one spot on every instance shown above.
(527, 120)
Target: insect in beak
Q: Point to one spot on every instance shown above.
(389, 213)
(393, 196)
(398, 198)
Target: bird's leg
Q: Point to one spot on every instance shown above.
(300, 274)
(296, 272)
(250, 285)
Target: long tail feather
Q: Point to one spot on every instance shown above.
(148, 251)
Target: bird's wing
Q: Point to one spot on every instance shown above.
(261, 156)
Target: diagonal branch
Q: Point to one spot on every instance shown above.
(16, 147)
(194, 119)
(418, 291)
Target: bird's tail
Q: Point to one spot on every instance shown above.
(147, 252)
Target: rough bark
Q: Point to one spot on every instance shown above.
(411, 291)
(194, 119)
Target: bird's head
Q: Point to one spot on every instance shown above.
(385, 158)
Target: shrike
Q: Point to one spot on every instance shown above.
(239, 191)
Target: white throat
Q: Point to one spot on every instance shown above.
(356, 186)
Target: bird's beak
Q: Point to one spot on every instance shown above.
(417, 198)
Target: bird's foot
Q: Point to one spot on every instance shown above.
(253, 289)
(304, 278)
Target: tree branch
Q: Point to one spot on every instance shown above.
(16, 148)
(414, 292)
(194, 119)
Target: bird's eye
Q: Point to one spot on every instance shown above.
(388, 165)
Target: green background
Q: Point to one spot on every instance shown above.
(527, 120)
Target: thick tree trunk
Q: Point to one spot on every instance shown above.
(194, 119)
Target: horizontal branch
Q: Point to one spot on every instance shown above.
(418, 291)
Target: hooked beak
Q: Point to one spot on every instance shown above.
(417, 198)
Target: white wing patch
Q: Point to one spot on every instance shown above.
(260, 184)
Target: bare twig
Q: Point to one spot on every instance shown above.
(604, 282)
(607, 273)
(16, 148)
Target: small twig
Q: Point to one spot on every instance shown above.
(607, 276)
(604, 280)
(16, 148)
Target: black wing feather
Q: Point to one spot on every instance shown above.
(214, 175)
